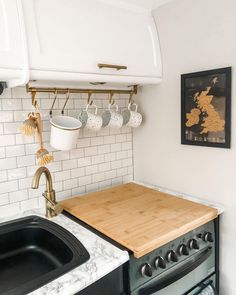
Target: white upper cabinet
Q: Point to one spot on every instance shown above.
(13, 55)
(68, 39)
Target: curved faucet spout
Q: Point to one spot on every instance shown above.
(52, 207)
(37, 176)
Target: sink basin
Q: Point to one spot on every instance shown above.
(35, 251)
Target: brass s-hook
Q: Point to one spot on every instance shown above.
(131, 101)
(67, 97)
(89, 100)
(53, 103)
(34, 101)
(111, 100)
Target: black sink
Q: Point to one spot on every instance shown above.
(35, 251)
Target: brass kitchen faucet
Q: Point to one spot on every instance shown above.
(52, 207)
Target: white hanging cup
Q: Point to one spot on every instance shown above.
(132, 118)
(112, 118)
(64, 132)
(90, 120)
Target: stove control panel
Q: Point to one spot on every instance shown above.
(172, 253)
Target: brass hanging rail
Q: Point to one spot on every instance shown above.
(133, 90)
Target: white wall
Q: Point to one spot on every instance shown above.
(194, 35)
(101, 159)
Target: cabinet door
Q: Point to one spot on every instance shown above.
(11, 45)
(77, 35)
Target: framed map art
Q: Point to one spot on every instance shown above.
(206, 108)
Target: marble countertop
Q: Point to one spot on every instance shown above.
(104, 258)
(215, 205)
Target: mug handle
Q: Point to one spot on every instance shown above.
(133, 104)
(93, 105)
(114, 105)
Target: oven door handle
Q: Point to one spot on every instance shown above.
(177, 274)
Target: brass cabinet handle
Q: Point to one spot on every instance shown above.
(117, 67)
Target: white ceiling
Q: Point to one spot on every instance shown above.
(149, 4)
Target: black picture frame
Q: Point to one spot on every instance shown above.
(206, 108)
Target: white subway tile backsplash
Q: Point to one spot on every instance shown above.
(91, 151)
(104, 149)
(6, 140)
(7, 163)
(98, 159)
(110, 157)
(115, 147)
(6, 116)
(2, 152)
(4, 199)
(77, 153)
(18, 196)
(16, 173)
(110, 174)
(3, 175)
(101, 159)
(9, 209)
(121, 138)
(109, 139)
(29, 204)
(24, 161)
(8, 186)
(61, 155)
(97, 140)
(98, 177)
(11, 128)
(92, 187)
(121, 155)
(11, 104)
(116, 164)
(80, 190)
(104, 167)
(91, 169)
(104, 184)
(16, 150)
(78, 172)
(1, 128)
(83, 142)
(70, 183)
(63, 175)
(21, 139)
(25, 183)
(84, 180)
(82, 162)
(69, 164)
(122, 171)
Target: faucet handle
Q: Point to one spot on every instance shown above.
(53, 205)
(57, 208)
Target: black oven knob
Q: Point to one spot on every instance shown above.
(171, 256)
(146, 270)
(183, 250)
(160, 262)
(193, 244)
(207, 237)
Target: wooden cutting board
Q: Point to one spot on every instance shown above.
(137, 217)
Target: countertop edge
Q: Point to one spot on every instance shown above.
(220, 208)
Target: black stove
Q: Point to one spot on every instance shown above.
(177, 267)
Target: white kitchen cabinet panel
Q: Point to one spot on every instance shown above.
(66, 37)
(12, 46)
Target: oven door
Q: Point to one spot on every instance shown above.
(181, 278)
(208, 287)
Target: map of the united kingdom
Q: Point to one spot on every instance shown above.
(212, 122)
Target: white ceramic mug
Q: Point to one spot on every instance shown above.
(112, 118)
(64, 132)
(91, 120)
(132, 118)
